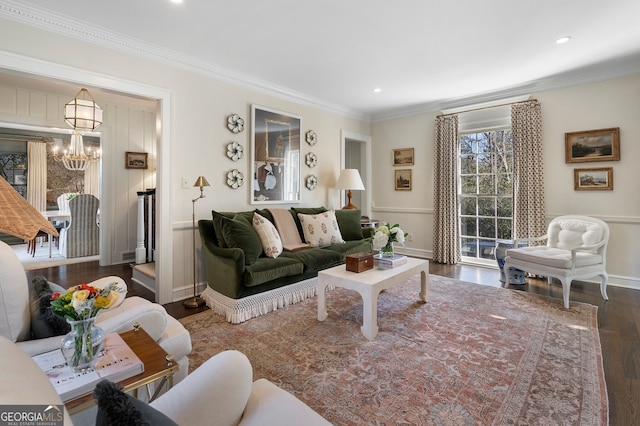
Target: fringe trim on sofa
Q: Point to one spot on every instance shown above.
(236, 311)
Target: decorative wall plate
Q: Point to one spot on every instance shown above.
(312, 137)
(235, 179)
(235, 151)
(311, 182)
(311, 160)
(235, 123)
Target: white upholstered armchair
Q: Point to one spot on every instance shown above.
(576, 248)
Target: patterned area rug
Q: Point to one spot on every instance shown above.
(472, 355)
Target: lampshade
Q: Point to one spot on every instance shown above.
(350, 179)
(82, 112)
(201, 181)
(18, 217)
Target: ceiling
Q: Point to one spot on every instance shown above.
(422, 54)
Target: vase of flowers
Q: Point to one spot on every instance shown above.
(80, 306)
(385, 236)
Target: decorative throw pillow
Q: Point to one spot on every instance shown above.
(44, 323)
(321, 229)
(295, 211)
(268, 234)
(349, 224)
(116, 408)
(238, 233)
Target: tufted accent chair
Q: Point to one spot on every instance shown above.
(576, 249)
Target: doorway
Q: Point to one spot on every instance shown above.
(356, 154)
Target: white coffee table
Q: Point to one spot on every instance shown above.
(369, 284)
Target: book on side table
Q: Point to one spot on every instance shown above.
(116, 362)
(386, 262)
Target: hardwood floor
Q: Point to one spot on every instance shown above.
(618, 320)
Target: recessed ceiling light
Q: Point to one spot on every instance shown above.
(176, 1)
(377, 90)
(563, 39)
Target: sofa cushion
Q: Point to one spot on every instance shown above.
(44, 323)
(217, 223)
(349, 224)
(350, 247)
(238, 233)
(321, 229)
(118, 408)
(268, 234)
(315, 259)
(14, 297)
(304, 210)
(267, 269)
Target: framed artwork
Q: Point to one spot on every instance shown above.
(136, 160)
(403, 157)
(596, 179)
(592, 145)
(275, 166)
(403, 179)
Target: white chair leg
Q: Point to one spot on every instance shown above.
(603, 286)
(566, 289)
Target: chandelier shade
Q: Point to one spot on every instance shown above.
(82, 112)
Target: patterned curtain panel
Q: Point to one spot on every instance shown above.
(446, 224)
(528, 173)
(37, 175)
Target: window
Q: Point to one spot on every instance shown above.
(485, 191)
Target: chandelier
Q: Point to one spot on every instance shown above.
(76, 157)
(81, 113)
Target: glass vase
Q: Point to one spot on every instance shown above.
(82, 344)
(387, 250)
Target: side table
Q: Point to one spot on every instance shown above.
(158, 365)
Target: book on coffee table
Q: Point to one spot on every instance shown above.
(384, 262)
(116, 362)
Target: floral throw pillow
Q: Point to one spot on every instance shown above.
(269, 237)
(321, 229)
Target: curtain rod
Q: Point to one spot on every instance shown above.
(487, 107)
(29, 139)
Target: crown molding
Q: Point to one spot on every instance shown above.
(60, 24)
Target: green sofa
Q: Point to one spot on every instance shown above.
(244, 283)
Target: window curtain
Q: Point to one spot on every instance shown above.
(528, 173)
(446, 223)
(37, 175)
(92, 179)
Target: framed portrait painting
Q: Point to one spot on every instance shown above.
(275, 165)
(592, 145)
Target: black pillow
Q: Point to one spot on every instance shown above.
(116, 408)
(44, 323)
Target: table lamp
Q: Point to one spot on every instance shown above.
(350, 180)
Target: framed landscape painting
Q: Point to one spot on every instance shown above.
(596, 179)
(403, 157)
(592, 145)
(136, 160)
(403, 180)
(275, 165)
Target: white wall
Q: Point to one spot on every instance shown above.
(199, 106)
(612, 103)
